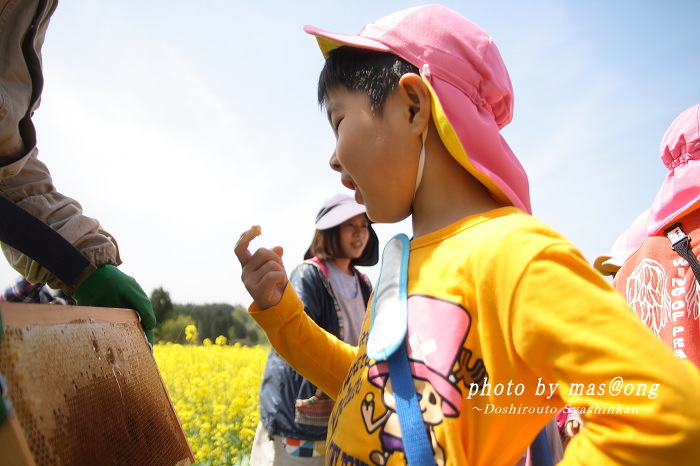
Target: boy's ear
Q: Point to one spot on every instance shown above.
(418, 100)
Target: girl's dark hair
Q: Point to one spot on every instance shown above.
(374, 73)
(326, 246)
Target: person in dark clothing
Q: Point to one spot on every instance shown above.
(293, 412)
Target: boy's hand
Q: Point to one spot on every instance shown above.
(573, 426)
(263, 272)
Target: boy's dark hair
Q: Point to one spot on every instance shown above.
(369, 71)
(326, 246)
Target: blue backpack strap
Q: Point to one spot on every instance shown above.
(416, 443)
(387, 342)
(389, 307)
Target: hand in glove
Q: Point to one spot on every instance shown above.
(110, 287)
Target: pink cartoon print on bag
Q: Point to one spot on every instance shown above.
(436, 334)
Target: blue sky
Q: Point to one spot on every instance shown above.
(180, 124)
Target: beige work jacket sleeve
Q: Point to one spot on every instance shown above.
(32, 189)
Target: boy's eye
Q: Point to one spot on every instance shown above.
(336, 124)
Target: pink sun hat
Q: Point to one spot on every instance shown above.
(471, 89)
(625, 245)
(678, 196)
(680, 153)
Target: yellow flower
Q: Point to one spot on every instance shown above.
(214, 390)
(191, 333)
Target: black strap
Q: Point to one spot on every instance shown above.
(680, 242)
(29, 235)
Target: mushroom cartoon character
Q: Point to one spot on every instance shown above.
(436, 333)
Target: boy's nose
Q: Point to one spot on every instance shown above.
(335, 165)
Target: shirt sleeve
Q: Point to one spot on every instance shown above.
(637, 399)
(316, 354)
(33, 190)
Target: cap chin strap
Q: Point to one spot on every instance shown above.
(421, 164)
(425, 74)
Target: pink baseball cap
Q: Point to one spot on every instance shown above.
(471, 89)
(680, 153)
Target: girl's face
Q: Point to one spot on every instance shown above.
(376, 155)
(354, 235)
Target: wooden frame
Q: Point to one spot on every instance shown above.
(84, 387)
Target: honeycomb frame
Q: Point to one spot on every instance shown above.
(85, 388)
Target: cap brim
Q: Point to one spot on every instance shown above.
(339, 214)
(624, 246)
(603, 265)
(373, 246)
(328, 41)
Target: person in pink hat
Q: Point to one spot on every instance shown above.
(499, 320)
(658, 278)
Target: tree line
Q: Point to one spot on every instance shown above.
(211, 320)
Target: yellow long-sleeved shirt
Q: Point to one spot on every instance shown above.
(507, 324)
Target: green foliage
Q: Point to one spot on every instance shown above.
(162, 305)
(212, 320)
(173, 329)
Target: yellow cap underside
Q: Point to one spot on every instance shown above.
(326, 45)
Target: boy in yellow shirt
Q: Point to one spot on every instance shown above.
(502, 320)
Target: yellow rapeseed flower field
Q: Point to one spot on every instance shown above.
(214, 389)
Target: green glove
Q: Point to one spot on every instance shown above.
(110, 287)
